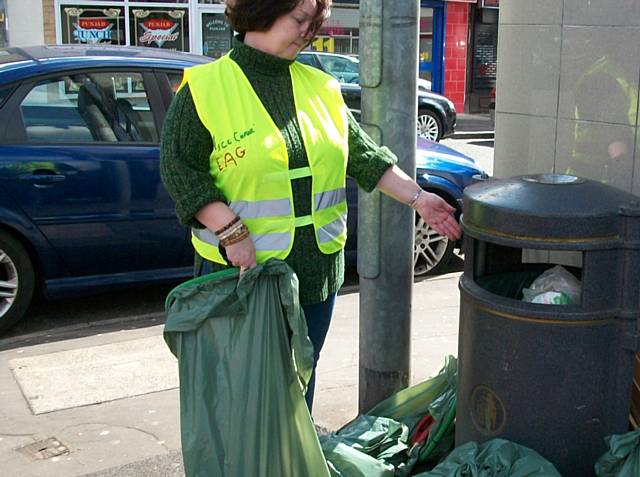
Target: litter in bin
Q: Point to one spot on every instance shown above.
(556, 286)
(494, 458)
(623, 457)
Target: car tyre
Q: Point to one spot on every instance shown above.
(431, 251)
(17, 280)
(429, 125)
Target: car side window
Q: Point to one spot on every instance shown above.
(4, 94)
(175, 80)
(306, 60)
(345, 71)
(89, 107)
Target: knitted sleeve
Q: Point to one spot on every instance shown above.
(367, 161)
(185, 147)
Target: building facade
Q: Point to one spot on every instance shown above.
(457, 39)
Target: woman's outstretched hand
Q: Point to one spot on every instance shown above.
(438, 214)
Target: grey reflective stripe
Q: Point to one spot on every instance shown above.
(273, 241)
(206, 235)
(261, 208)
(261, 242)
(324, 200)
(332, 230)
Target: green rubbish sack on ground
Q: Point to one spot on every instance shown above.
(244, 358)
(623, 457)
(494, 458)
(389, 440)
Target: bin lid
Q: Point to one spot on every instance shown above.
(548, 210)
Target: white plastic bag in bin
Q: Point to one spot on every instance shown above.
(556, 286)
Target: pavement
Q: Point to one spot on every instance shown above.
(77, 403)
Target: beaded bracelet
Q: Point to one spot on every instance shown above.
(239, 236)
(228, 226)
(230, 231)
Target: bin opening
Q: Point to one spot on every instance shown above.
(507, 271)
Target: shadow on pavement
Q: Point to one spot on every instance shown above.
(49, 321)
(484, 143)
(132, 308)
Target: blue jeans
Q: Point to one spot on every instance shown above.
(318, 320)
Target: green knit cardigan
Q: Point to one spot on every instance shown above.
(184, 165)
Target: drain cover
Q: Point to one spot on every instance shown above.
(44, 449)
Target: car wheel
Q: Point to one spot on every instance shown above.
(431, 251)
(17, 280)
(429, 125)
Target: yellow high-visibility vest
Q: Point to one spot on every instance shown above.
(250, 165)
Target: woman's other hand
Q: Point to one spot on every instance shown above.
(438, 214)
(242, 254)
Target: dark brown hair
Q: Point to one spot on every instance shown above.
(260, 15)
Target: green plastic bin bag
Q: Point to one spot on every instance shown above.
(244, 360)
(436, 397)
(346, 461)
(376, 444)
(494, 458)
(366, 446)
(623, 457)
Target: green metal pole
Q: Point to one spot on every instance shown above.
(388, 73)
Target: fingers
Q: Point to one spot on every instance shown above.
(448, 227)
(242, 254)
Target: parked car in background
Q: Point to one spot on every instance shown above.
(82, 207)
(436, 113)
(443, 171)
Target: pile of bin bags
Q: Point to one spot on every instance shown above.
(417, 432)
(414, 425)
(244, 360)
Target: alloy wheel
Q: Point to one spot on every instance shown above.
(428, 127)
(8, 283)
(430, 249)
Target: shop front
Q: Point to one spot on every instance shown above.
(484, 54)
(197, 26)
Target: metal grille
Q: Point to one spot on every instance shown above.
(485, 56)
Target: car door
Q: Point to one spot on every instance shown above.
(83, 163)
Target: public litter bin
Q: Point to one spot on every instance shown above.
(555, 378)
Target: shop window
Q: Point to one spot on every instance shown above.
(425, 47)
(166, 28)
(92, 24)
(485, 56)
(89, 107)
(340, 33)
(216, 34)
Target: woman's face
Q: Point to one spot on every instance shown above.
(288, 35)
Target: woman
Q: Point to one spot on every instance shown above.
(255, 150)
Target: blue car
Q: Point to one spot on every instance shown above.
(82, 207)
